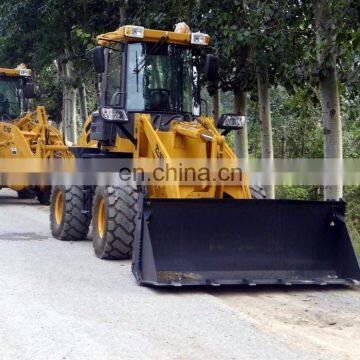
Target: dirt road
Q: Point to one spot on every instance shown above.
(58, 301)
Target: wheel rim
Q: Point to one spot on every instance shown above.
(101, 218)
(59, 207)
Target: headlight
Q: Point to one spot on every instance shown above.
(232, 121)
(134, 31)
(200, 39)
(115, 115)
(25, 72)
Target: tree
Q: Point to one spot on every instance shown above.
(335, 22)
(265, 123)
(241, 145)
(257, 45)
(328, 85)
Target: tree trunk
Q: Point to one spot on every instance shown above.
(69, 104)
(97, 85)
(67, 114)
(216, 104)
(71, 100)
(283, 143)
(64, 113)
(69, 110)
(265, 123)
(303, 142)
(73, 115)
(59, 69)
(329, 94)
(83, 103)
(122, 12)
(241, 136)
(156, 78)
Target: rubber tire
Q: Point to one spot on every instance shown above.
(75, 223)
(26, 193)
(121, 215)
(44, 196)
(257, 192)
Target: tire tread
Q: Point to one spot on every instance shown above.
(76, 222)
(121, 223)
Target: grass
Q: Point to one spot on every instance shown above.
(355, 237)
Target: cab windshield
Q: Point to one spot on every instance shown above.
(161, 78)
(11, 97)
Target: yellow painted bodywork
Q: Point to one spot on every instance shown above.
(15, 72)
(199, 141)
(31, 137)
(59, 207)
(101, 218)
(84, 139)
(150, 35)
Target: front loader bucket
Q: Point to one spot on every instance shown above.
(245, 242)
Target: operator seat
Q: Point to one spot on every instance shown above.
(159, 100)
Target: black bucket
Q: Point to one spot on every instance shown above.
(243, 242)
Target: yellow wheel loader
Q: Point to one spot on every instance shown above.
(26, 134)
(206, 233)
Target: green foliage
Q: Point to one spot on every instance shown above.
(299, 192)
(51, 94)
(246, 35)
(352, 197)
(297, 121)
(350, 109)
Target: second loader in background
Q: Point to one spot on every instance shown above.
(26, 134)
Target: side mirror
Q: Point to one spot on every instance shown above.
(99, 59)
(211, 67)
(29, 91)
(230, 122)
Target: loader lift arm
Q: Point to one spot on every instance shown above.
(205, 145)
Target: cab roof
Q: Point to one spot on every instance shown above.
(19, 71)
(131, 33)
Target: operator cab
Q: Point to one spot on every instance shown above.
(151, 72)
(146, 71)
(15, 88)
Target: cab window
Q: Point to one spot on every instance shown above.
(113, 77)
